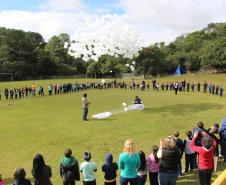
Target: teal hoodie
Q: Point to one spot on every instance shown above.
(129, 163)
(68, 161)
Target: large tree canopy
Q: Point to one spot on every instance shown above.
(27, 54)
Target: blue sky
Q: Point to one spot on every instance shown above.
(20, 4)
(152, 20)
(34, 5)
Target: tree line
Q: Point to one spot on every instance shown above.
(27, 54)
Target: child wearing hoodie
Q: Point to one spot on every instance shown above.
(1, 181)
(69, 170)
(87, 168)
(19, 177)
(109, 168)
(206, 157)
(222, 131)
(153, 166)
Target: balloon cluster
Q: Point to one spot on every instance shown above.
(109, 35)
(131, 66)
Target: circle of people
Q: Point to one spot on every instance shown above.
(202, 147)
(62, 88)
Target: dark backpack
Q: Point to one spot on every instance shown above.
(68, 175)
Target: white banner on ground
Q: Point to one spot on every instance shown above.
(102, 115)
(134, 107)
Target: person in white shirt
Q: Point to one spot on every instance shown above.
(88, 168)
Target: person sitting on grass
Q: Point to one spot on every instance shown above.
(69, 169)
(40, 171)
(1, 181)
(19, 177)
(109, 168)
(206, 157)
(87, 168)
(137, 100)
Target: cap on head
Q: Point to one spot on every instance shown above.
(87, 156)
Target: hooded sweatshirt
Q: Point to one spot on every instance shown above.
(109, 168)
(23, 182)
(70, 164)
(222, 129)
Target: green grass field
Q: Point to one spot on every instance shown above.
(49, 125)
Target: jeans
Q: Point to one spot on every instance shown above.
(153, 177)
(168, 178)
(205, 177)
(142, 179)
(69, 183)
(125, 181)
(179, 168)
(89, 182)
(85, 113)
(223, 149)
(189, 161)
(110, 183)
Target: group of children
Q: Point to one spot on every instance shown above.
(186, 86)
(70, 170)
(61, 88)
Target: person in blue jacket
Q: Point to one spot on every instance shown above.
(221, 90)
(222, 131)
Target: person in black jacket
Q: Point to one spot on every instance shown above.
(180, 147)
(19, 177)
(69, 169)
(40, 171)
(109, 168)
(137, 100)
(6, 93)
(169, 157)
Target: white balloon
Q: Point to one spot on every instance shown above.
(105, 35)
(66, 45)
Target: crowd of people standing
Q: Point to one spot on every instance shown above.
(187, 86)
(62, 88)
(202, 147)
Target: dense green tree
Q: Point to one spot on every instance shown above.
(27, 54)
(151, 61)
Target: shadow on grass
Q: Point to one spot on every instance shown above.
(184, 108)
(193, 179)
(10, 181)
(99, 120)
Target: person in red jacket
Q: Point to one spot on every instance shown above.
(206, 157)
